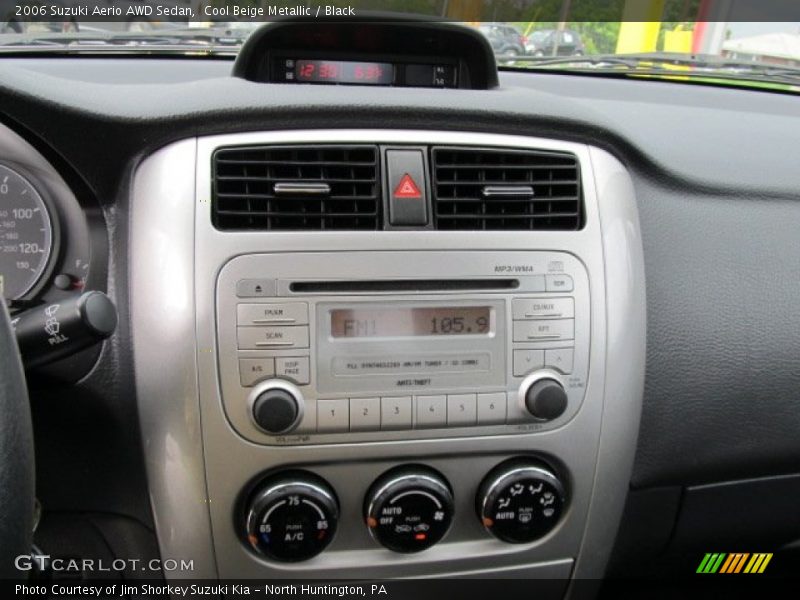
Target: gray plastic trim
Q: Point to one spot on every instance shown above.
(162, 325)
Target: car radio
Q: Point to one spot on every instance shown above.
(313, 349)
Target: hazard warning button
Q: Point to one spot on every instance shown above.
(407, 187)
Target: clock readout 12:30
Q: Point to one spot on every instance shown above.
(408, 322)
(341, 71)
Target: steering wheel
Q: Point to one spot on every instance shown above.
(16, 454)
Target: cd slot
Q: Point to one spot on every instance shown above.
(402, 285)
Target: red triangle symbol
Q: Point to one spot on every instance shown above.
(407, 188)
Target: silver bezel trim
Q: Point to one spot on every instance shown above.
(173, 325)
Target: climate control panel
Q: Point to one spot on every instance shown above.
(293, 516)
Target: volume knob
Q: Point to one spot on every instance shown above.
(276, 406)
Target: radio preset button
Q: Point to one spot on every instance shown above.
(462, 409)
(544, 331)
(559, 358)
(543, 308)
(333, 415)
(396, 412)
(255, 288)
(558, 283)
(526, 361)
(431, 411)
(365, 414)
(252, 370)
(295, 368)
(272, 314)
(267, 338)
(492, 409)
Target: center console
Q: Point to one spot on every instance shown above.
(329, 391)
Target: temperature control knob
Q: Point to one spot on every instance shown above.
(292, 516)
(409, 509)
(544, 396)
(277, 406)
(520, 501)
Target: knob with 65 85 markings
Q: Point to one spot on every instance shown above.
(291, 516)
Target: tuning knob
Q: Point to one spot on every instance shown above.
(544, 396)
(276, 406)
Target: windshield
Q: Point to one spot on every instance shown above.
(705, 40)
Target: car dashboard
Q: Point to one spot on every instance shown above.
(489, 329)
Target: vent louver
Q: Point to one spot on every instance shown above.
(488, 189)
(317, 187)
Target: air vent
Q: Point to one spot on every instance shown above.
(487, 189)
(296, 188)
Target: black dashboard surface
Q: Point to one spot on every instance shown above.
(715, 172)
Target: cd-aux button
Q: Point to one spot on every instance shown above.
(543, 308)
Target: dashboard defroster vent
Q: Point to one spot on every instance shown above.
(318, 187)
(490, 189)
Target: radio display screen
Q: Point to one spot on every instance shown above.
(410, 322)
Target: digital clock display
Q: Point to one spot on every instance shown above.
(410, 322)
(342, 71)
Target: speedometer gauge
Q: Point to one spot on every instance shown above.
(26, 234)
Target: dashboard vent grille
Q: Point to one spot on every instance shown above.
(296, 188)
(488, 189)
